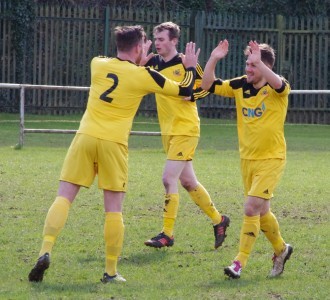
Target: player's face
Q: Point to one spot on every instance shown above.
(253, 74)
(164, 46)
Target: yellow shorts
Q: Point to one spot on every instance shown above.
(260, 177)
(88, 156)
(180, 147)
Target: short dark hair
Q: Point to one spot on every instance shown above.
(173, 29)
(129, 36)
(267, 54)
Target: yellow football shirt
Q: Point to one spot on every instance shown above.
(117, 88)
(176, 116)
(261, 115)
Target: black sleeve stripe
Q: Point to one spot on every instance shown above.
(282, 88)
(237, 83)
(218, 81)
(184, 92)
(186, 84)
(157, 77)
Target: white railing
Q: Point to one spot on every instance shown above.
(23, 87)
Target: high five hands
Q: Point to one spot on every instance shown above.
(190, 58)
(254, 56)
(221, 50)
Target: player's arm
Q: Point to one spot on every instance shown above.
(209, 71)
(189, 60)
(254, 57)
(145, 57)
(198, 92)
(163, 85)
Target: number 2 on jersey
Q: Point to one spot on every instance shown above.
(104, 96)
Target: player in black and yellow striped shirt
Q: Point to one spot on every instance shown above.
(100, 145)
(180, 129)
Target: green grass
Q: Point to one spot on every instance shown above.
(189, 270)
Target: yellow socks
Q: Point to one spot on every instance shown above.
(114, 237)
(249, 233)
(269, 226)
(54, 223)
(171, 206)
(202, 198)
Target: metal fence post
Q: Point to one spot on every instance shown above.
(21, 119)
(106, 30)
(199, 24)
(281, 49)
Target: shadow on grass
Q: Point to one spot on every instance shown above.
(148, 256)
(224, 282)
(73, 288)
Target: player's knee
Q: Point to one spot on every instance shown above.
(187, 184)
(251, 210)
(253, 206)
(167, 181)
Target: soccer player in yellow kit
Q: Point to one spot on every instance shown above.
(261, 98)
(180, 130)
(100, 145)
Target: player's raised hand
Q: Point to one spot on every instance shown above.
(254, 56)
(221, 50)
(190, 58)
(145, 56)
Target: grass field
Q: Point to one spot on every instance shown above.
(191, 269)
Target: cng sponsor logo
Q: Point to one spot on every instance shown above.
(254, 112)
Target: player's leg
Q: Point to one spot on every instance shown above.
(251, 220)
(54, 223)
(260, 190)
(113, 178)
(57, 215)
(201, 197)
(173, 167)
(172, 171)
(171, 176)
(282, 251)
(249, 233)
(78, 170)
(269, 224)
(113, 234)
(270, 227)
(179, 153)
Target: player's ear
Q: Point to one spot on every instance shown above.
(175, 41)
(138, 48)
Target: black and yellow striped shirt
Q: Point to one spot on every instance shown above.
(177, 117)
